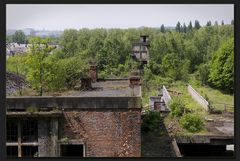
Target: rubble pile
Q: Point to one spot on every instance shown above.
(14, 82)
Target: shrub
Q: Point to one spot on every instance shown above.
(191, 122)
(177, 107)
(151, 121)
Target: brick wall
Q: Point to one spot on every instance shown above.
(105, 133)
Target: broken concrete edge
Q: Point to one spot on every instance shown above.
(34, 114)
(68, 141)
(205, 139)
(112, 79)
(70, 102)
(175, 148)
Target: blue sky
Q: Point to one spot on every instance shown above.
(62, 16)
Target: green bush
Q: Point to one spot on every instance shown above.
(191, 122)
(177, 107)
(151, 121)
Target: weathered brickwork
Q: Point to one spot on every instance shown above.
(105, 133)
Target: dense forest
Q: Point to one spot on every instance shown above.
(207, 53)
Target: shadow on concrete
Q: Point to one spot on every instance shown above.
(157, 143)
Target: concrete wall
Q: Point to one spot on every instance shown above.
(166, 96)
(71, 102)
(152, 100)
(43, 137)
(107, 126)
(197, 97)
(104, 133)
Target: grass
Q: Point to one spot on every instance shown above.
(190, 105)
(25, 92)
(177, 130)
(186, 97)
(217, 97)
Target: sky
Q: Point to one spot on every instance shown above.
(62, 16)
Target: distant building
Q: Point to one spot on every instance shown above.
(10, 32)
(32, 32)
(15, 48)
(28, 31)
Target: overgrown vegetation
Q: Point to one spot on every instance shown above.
(151, 121)
(191, 122)
(174, 54)
(177, 107)
(187, 113)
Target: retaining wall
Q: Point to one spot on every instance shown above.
(166, 96)
(197, 97)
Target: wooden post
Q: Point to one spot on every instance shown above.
(19, 140)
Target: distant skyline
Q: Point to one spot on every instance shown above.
(62, 16)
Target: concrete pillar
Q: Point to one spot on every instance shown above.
(43, 138)
(54, 137)
(19, 139)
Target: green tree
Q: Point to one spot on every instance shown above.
(192, 54)
(40, 49)
(19, 37)
(209, 23)
(184, 28)
(177, 107)
(222, 67)
(203, 71)
(69, 43)
(112, 54)
(151, 121)
(74, 69)
(159, 48)
(174, 67)
(197, 25)
(190, 26)
(83, 37)
(178, 27)
(8, 39)
(96, 41)
(222, 23)
(162, 29)
(192, 122)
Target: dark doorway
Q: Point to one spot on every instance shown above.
(29, 130)
(72, 150)
(29, 151)
(12, 133)
(202, 150)
(12, 151)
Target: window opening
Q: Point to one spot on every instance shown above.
(72, 150)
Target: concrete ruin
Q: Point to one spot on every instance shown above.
(103, 122)
(140, 50)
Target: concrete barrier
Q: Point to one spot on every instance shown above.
(166, 96)
(197, 97)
